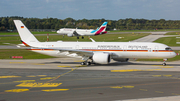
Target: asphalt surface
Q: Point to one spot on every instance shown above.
(65, 80)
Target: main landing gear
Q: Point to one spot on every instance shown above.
(86, 63)
(82, 37)
(164, 64)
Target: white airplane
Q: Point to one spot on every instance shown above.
(83, 32)
(95, 52)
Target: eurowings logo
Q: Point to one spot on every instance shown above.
(104, 24)
(100, 31)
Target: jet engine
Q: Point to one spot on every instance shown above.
(101, 58)
(70, 34)
(121, 59)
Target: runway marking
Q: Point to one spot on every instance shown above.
(38, 64)
(10, 76)
(174, 77)
(41, 75)
(159, 92)
(81, 66)
(175, 94)
(54, 90)
(167, 75)
(116, 87)
(64, 66)
(25, 81)
(38, 85)
(161, 75)
(143, 89)
(133, 70)
(31, 76)
(128, 86)
(17, 62)
(164, 66)
(17, 90)
(167, 67)
(47, 78)
(156, 75)
(119, 87)
(79, 61)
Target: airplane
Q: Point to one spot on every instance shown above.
(83, 32)
(95, 52)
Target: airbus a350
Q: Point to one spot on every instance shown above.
(95, 52)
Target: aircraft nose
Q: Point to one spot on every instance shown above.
(58, 31)
(173, 54)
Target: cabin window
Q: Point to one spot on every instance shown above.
(168, 48)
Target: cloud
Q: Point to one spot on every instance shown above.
(47, 1)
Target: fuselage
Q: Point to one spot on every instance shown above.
(81, 32)
(116, 49)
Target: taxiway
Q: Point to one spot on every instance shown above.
(65, 80)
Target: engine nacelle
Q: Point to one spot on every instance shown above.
(70, 34)
(121, 59)
(101, 58)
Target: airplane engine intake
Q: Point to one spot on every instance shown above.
(101, 58)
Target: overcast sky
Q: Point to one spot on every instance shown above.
(92, 9)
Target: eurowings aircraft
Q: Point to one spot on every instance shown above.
(95, 52)
(83, 32)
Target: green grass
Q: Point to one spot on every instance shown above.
(15, 33)
(173, 33)
(7, 53)
(100, 38)
(170, 41)
(170, 59)
(178, 30)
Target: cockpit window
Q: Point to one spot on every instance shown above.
(168, 48)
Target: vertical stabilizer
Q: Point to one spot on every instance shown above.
(24, 33)
(102, 29)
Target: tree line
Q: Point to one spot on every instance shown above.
(6, 23)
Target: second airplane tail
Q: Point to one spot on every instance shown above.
(26, 36)
(101, 30)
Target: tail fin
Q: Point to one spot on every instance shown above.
(101, 30)
(24, 33)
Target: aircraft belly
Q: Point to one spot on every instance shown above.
(143, 55)
(57, 53)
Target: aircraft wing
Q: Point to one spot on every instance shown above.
(85, 54)
(82, 53)
(76, 34)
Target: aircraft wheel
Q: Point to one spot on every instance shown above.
(83, 63)
(88, 63)
(77, 37)
(82, 37)
(164, 64)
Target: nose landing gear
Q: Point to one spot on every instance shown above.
(164, 64)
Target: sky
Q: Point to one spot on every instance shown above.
(92, 9)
